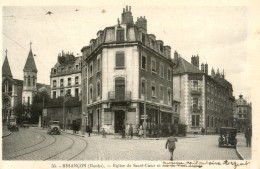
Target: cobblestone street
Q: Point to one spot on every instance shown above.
(32, 144)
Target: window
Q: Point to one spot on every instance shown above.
(62, 69)
(76, 92)
(120, 60)
(195, 103)
(120, 35)
(61, 82)
(29, 81)
(61, 93)
(76, 80)
(91, 69)
(54, 83)
(143, 62)
(68, 92)
(169, 96)
(99, 64)
(176, 108)
(169, 75)
(161, 92)
(77, 67)
(143, 37)
(195, 84)
(195, 120)
(90, 93)
(98, 89)
(208, 122)
(212, 121)
(143, 87)
(161, 70)
(33, 81)
(153, 90)
(161, 47)
(54, 94)
(69, 81)
(153, 65)
(54, 71)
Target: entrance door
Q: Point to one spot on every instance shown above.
(119, 120)
(120, 88)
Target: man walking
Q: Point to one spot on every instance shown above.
(131, 131)
(89, 130)
(248, 135)
(170, 143)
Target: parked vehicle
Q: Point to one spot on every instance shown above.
(227, 137)
(13, 126)
(54, 128)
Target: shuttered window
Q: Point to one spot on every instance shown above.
(120, 35)
(120, 60)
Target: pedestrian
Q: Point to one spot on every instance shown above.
(89, 129)
(170, 144)
(202, 131)
(103, 133)
(131, 131)
(74, 128)
(123, 131)
(141, 131)
(248, 135)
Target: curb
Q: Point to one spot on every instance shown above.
(7, 135)
(72, 134)
(240, 156)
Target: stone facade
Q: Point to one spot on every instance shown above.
(242, 114)
(124, 70)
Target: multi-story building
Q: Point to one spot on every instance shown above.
(16, 92)
(242, 114)
(125, 72)
(66, 76)
(206, 101)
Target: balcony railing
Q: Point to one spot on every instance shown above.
(195, 90)
(119, 96)
(196, 109)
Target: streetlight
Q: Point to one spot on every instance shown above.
(66, 98)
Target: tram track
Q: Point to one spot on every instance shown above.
(86, 146)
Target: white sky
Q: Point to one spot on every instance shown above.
(217, 34)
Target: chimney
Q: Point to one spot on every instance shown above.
(175, 58)
(212, 72)
(202, 68)
(167, 52)
(141, 22)
(206, 69)
(126, 17)
(195, 60)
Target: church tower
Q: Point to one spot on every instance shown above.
(30, 78)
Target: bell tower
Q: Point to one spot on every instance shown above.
(30, 78)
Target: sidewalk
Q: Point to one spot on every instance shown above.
(5, 132)
(242, 149)
(112, 136)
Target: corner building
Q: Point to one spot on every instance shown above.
(124, 71)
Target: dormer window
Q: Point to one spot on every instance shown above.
(54, 71)
(62, 69)
(161, 47)
(77, 67)
(120, 35)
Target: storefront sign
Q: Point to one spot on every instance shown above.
(131, 109)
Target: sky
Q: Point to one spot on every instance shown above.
(218, 34)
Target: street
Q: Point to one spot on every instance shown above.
(34, 144)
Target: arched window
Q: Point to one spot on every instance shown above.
(98, 89)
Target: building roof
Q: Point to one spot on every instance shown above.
(6, 70)
(30, 63)
(184, 66)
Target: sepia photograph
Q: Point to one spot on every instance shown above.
(129, 82)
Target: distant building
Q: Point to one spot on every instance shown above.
(65, 79)
(126, 71)
(66, 76)
(242, 114)
(15, 92)
(206, 101)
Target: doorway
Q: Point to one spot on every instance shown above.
(119, 120)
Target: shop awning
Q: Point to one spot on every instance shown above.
(165, 110)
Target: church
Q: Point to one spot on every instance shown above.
(19, 92)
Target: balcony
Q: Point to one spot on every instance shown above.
(119, 96)
(196, 109)
(195, 90)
